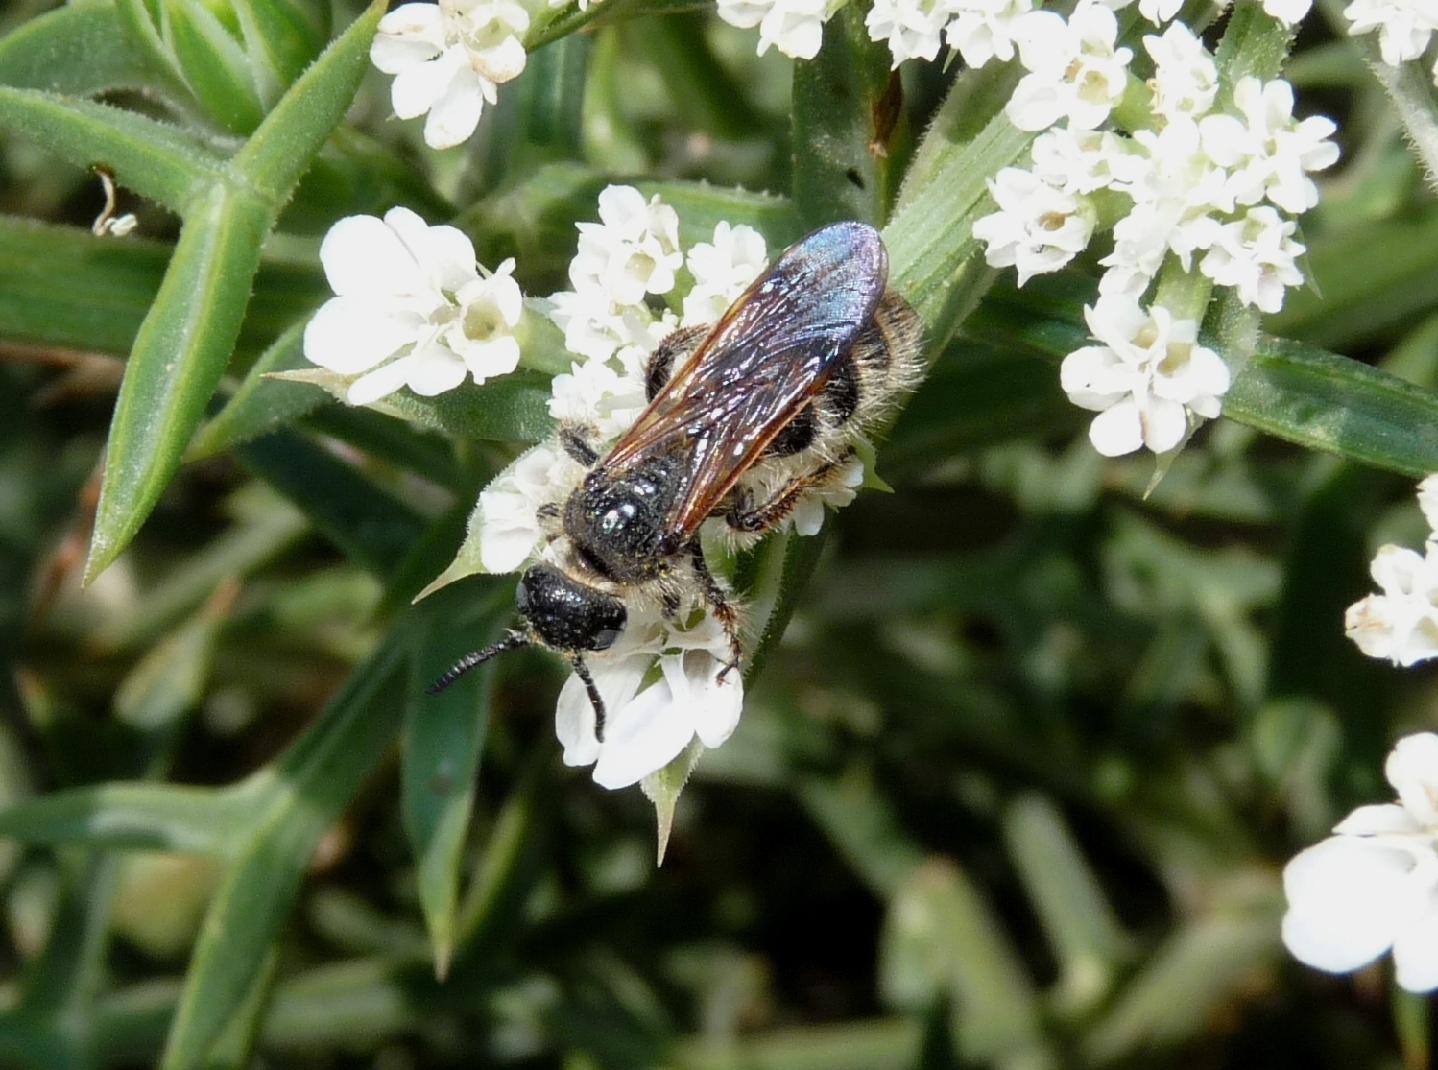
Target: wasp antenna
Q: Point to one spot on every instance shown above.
(476, 658)
(595, 699)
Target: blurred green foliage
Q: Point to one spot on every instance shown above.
(1015, 782)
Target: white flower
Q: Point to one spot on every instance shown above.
(982, 30)
(1082, 161)
(411, 308)
(913, 28)
(1159, 11)
(795, 27)
(1373, 886)
(647, 729)
(1147, 379)
(1075, 70)
(508, 517)
(1176, 190)
(1404, 26)
(722, 270)
(594, 394)
(1288, 12)
(447, 60)
(808, 515)
(1428, 503)
(1268, 153)
(1037, 228)
(1185, 79)
(1257, 256)
(1401, 624)
(632, 251)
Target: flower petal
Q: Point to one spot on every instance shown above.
(1415, 952)
(1377, 820)
(643, 737)
(362, 257)
(456, 113)
(349, 336)
(1347, 900)
(617, 679)
(434, 370)
(417, 89)
(1117, 431)
(380, 383)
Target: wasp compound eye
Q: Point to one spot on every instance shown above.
(568, 615)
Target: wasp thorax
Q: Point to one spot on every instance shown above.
(617, 522)
(566, 614)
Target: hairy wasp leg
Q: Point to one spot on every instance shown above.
(719, 603)
(752, 520)
(595, 698)
(576, 443)
(476, 658)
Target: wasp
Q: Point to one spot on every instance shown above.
(743, 418)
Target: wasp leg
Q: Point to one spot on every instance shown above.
(596, 700)
(669, 354)
(719, 604)
(576, 443)
(751, 520)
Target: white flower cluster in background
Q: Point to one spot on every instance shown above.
(448, 60)
(1372, 887)
(1213, 188)
(794, 27)
(411, 308)
(1401, 624)
(1189, 184)
(1404, 27)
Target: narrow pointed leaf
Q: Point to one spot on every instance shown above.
(151, 158)
(128, 815)
(1286, 389)
(443, 736)
(281, 39)
(297, 797)
(177, 361)
(213, 65)
(281, 148)
(79, 49)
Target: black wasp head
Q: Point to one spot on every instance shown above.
(567, 615)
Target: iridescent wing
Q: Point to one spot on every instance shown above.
(766, 358)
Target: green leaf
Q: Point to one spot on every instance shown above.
(182, 347)
(701, 90)
(941, 937)
(294, 801)
(281, 39)
(128, 815)
(932, 251)
(539, 115)
(179, 356)
(261, 404)
(79, 50)
(846, 103)
(1077, 917)
(152, 158)
(443, 736)
(213, 65)
(512, 408)
(1366, 280)
(281, 148)
(169, 681)
(373, 528)
(1286, 389)
(63, 286)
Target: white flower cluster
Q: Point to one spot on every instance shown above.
(1372, 887)
(794, 27)
(1401, 624)
(1404, 27)
(448, 60)
(1207, 189)
(1147, 380)
(411, 308)
(1216, 188)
